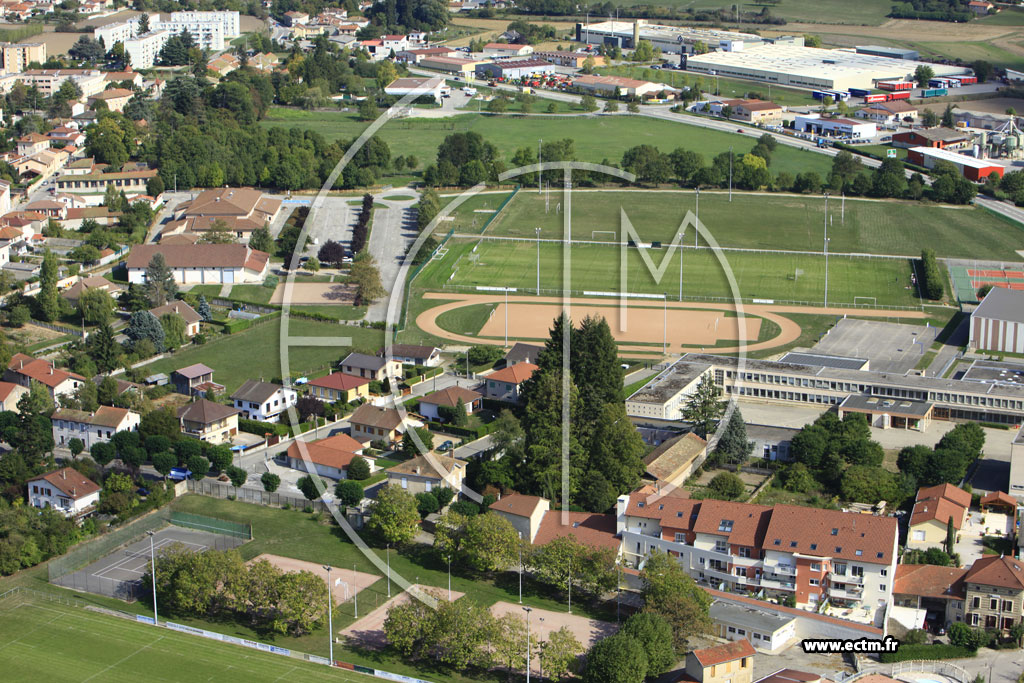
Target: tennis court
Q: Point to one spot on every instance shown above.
(119, 574)
(967, 281)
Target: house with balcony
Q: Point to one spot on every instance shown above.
(194, 380)
(66, 490)
(370, 423)
(784, 551)
(414, 354)
(371, 367)
(208, 421)
(994, 587)
(423, 475)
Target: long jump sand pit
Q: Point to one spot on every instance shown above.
(685, 327)
(316, 293)
(345, 582)
(369, 631)
(543, 622)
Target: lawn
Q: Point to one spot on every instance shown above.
(969, 51)
(81, 645)
(232, 366)
(252, 294)
(471, 215)
(596, 267)
(727, 87)
(772, 222)
(870, 12)
(466, 320)
(596, 138)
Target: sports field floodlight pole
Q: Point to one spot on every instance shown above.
(537, 230)
(389, 545)
(330, 621)
(506, 316)
(152, 561)
(826, 250)
(695, 231)
(730, 173)
(664, 349)
(540, 175)
(355, 590)
(520, 533)
(528, 655)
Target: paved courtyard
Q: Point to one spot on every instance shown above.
(891, 347)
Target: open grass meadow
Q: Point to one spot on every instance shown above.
(597, 137)
(759, 221)
(762, 275)
(233, 367)
(870, 12)
(82, 645)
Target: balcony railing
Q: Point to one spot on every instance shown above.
(784, 569)
(846, 578)
(775, 583)
(845, 593)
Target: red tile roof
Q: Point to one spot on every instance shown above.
(929, 581)
(339, 380)
(726, 652)
(995, 570)
(957, 495)
(336, 451)
(517, 504)
(517, 374)
(998, 498)
(940, 503)
(40, 370)
(589, 528)
(70, 481)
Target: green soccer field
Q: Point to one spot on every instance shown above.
(73, 644)
(770, 222)
(782, 277)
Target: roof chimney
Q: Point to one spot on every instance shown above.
(64, 473)
(417, 469)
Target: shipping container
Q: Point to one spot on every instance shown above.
(859, 92)
(905, 95)
(934, 92)
(967, 80)
(876, 98)
(895, 85)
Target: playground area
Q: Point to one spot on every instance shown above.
(347, 582)
(316, 293)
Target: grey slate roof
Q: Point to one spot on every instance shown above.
(1002, 304)
(255, 391)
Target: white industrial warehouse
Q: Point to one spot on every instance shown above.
(672, 39)
(808, 67)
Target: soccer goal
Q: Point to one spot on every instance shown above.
(865, 299)
(594, 235)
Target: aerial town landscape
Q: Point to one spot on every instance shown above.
(499, 340)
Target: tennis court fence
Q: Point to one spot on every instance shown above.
(211, 524)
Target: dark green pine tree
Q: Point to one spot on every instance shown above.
(733, 447)
(594, 360)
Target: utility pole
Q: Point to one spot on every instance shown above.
(528, 655)
(537, 230)
(152, 561)
(540, 175)
(521, 565)
(355, 590)
(389, 545)
(506, 317)
(330, 610)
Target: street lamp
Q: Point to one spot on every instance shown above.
(520, 533)
(528, 656)
(537, 230)
(826, 250)
(389, 552)
(152, 561)
(330, 611)
(449, 577)
(355, 591)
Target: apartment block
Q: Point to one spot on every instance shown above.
(229, 21)
(208, 35)
(143, 50)
(17, 56)
(813, 555)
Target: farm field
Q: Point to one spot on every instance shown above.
(761, 221)
(596, 268)
(836, 11)
(233, 368)
(596, 137)
(81, 645)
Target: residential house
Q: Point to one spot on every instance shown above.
(338, 386)
(876, 114)
(114, 98)
(184, 311)
(371, 367)
(522, 353)
(208, 421)
(23, 369)
(812, 555)
(423, 474)
(981, 7)
(263, 401)
(201, 263)
(32, 143)
(901, 109)
(92, 427)
(731, 662)
(413, 56)
(503, 385)
(934, 507)
(48, 208)
(133, 77)
(994, 587)
(431, 404)
(936, 591)
(194, 379)
(10, 394)
(330, 457)
(264, 61)
(92, 185)
(523, 512)
(239, 210)
(223, 64)
(295, 18)
(66, 490)
(370, 423)
(413, 354)
(675, 460)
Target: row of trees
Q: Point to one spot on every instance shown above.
(931, 275)
(219, 584)
(605, 451)
(361, 231)
(948, 461)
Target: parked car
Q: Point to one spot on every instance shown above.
(445, 447)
